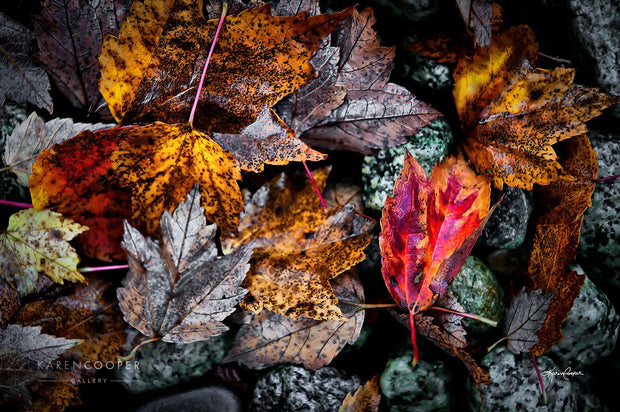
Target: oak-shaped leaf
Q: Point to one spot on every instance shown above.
(75, 178)
(365, 399)
(266, 141)
(299, 247)
(38, 242)
(428, 229)
(33, 135)
(512, 113)
(524, 318)
(160, 163)
(181, 291)
(374, 113)
(20, 79)
(271, 338)
(258, 60)
(25, 353)
(70, 34)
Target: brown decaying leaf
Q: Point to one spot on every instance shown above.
(524, 318)
(20, 79)
(181, 291)
(293, 7)
(375, 113)
(299, 247)
(512, 113)
(365, 399)
(443, 49)
(477, 15)
(33, 135)
(9, 303)
(258, 60)
(70, 34)
(271, 338)
(160, 163)
(266, 141)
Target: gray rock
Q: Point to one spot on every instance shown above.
(596, 27)
(507, 226)
(293, 388)
(477, 289)
(427, 74)
(599, 246)
(590, 330)
(514, 385)
(379, 171)
(207, 399)
(9, 188)
(162, 364)
(426, 387)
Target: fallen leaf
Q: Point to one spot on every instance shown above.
(512, 114)
(266, 141)
(271, 338)
(259, 60)
(33, 135)
(75, 179)
(160, 163)
(477, 15)
(293, 7)
(365, 399)
(38, 241)
(450, 322)
(181, 291)
(524, 318)
(443, 49)
(69, 34)
(9, 303)
(22, 81)
(298, 248)
(374, 113)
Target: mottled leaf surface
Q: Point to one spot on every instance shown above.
(38, 241)
(75, 179)
(20, 79)
(512, 113)
(524, 318)
(477, 15)
(365, 399)
(271, 338)
(28, 139)
(299, 247)
(181, 291)
(160, 163)
(70, 34)
(266, 141)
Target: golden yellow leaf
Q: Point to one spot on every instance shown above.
(37, 241)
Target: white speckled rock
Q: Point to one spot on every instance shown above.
(514, 385)
(379, 171)
(599, 246)
(590, 330)
(163, 364)
(476, 288)
(423, 388)
(294, 388)
(507, 226)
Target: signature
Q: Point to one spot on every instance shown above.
(565, 374)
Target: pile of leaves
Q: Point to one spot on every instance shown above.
(190, 190)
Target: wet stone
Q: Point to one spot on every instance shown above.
(426, 387)
(209, 398)
(427, 74)
(590, 330)
(514, 385)
(477, 289)
(162, 364)
(431, 144)
(599, 245)
(293, 388)
(507, 226)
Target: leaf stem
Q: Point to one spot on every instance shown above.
(204, 70)
(17, 204)
(555, 59)
(416, 355)
(490, 348)
(604, 179)
(466, 315)
(83, 321)
(102, 268)
(316, 188)
(135, 349)
(369, 305)
(540, 381)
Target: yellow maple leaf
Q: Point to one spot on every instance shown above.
(37, 241)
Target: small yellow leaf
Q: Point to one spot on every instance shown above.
(38, 241)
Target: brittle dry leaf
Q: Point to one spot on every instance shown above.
(365, 399)
(524, 318)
